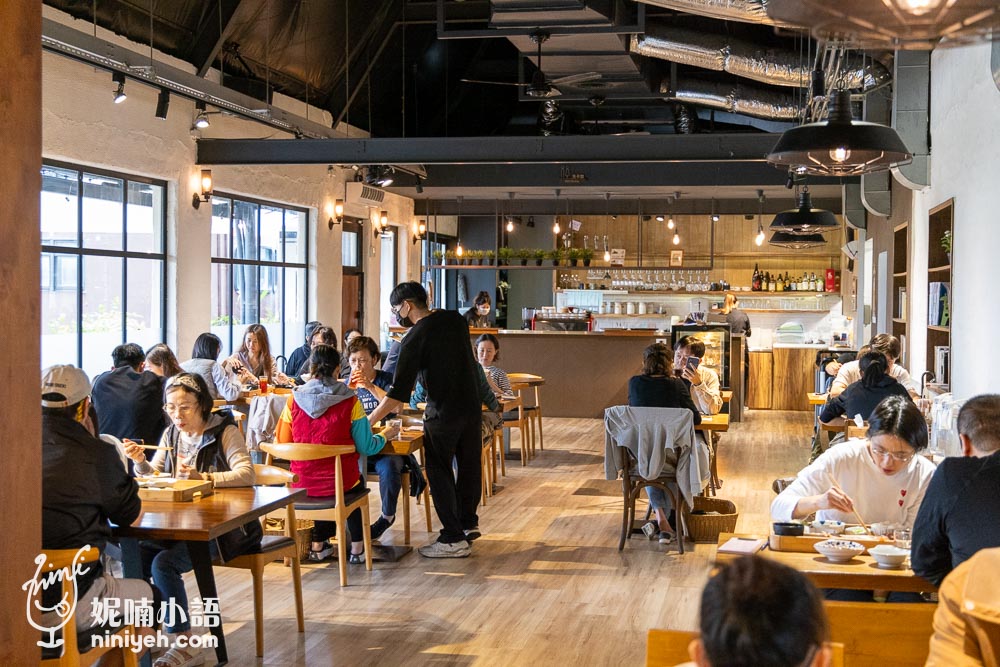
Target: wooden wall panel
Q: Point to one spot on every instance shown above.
(794, 377)
(20, 304)
(761, 372)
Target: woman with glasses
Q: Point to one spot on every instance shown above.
(882, 477)
(203, 445)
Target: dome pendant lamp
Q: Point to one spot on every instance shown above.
(805, 219)
(800, 242)
(840, 146)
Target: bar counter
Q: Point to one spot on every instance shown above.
(584, 371)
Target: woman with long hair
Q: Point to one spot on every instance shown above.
(221, 383)
(253, 360)
(160, 359)
(861, 397)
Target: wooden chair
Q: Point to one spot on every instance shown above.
(272, 547)
(70, 655)
(855, 431)
(238, 417)
(330, 508)
(521, 423)
(519, 383)
(633, 485)
(875, 633)
(667, 648)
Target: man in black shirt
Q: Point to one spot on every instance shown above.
(300, 355)
(438, 349)
(960, 513)
(129, 400)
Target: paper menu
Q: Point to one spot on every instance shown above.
(742, 545)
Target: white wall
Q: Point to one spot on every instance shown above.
(81, 125)
(965, 136)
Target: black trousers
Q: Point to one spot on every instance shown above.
(455, 500)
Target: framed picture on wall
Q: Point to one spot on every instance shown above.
(676, 258)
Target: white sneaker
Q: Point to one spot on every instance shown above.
(443, 550)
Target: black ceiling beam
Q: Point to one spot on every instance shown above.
(657, 175)
(620, 206)
(616, 27)
(209, 38)
(490, 150)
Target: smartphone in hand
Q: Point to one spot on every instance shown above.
(692, 363)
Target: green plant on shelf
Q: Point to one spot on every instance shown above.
(450, 257)
(555, 255)
(489, 255)
(438, 255)
(475, 256)
(523, 254)
(504, 255)
(574, 256)
(539, 254)
(586, 255)
(946, 243)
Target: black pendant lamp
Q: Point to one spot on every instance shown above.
(840, 146)
(797, 242)
(805, 219)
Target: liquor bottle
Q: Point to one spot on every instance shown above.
(779, 284)
(788, 282)
(771, 287)
(812, 282)
(802, 282)
(755, 281)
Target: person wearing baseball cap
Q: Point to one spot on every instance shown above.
(84, 489)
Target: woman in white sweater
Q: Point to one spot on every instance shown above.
(221, 382)
(884, 477)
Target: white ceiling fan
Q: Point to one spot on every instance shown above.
(540, 86)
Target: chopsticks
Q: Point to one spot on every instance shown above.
(857, 516)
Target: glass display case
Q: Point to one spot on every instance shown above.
(716, 338)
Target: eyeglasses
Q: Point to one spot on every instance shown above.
(902, 457)
(184, 408)
(395, 309)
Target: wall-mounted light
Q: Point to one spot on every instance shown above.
(420, 231)
(119, 93)
(334, 212)
(206, 189)
(381, 223)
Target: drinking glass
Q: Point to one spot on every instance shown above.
(903, 538)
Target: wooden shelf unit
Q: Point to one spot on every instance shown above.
(900, 297)
(939, 220)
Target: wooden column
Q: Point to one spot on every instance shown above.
(20, 428)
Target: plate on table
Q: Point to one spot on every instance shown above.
(827, 526)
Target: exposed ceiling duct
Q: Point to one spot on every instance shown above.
(749, 60)
(755, 101)
(744, 11)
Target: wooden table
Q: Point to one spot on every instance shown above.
(198, 522)
(711, 425)
(403, 447)
(727, 395)
(860, 573)
(816, 399)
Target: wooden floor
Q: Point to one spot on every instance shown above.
(546, 583)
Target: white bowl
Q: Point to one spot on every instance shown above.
(828, 526)
(839, 551)
(888, 556)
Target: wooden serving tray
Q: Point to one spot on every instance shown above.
(181, 490)
(804, 543)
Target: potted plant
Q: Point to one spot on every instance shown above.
(574, 256)
(946, 243)
(438, 256)
(586, 255)
(523, 254)
(488, 255)
(504, 255)
(555, 256)
(476, 257)
(539, 254)
(449, 257)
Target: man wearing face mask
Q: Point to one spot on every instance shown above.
(437, 350)
(479, 315)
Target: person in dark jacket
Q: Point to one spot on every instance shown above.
(960, 514)
(479, 315)
(861, 397)
(129, 399)
(84, 488)
(300, 355)
(658, 388)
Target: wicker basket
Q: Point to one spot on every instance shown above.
(707, 527)
(303, 529)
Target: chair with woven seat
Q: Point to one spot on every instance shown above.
(69, 654)
(329, 508)
(272, 547)
(521, 382)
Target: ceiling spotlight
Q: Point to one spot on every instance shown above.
(419, 185)
(378, 175)
(659, 218)
(201, 120)
(840, 145)
(119, 94)
(162, 104)
(715, 216)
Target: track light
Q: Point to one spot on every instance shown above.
(119, 94)
(379, 175)
(201, 120)
(419, 185)
(162, 104)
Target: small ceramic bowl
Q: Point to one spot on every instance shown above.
(788, 528)
(839, 551)
(888, 556)
(828, 526)
(882, 529)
